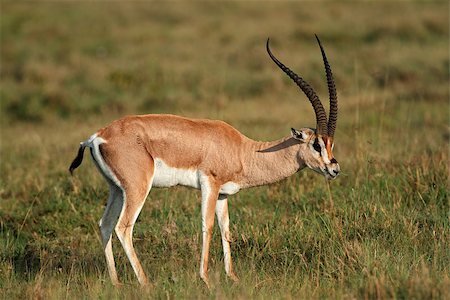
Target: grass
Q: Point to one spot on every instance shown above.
(381, 230)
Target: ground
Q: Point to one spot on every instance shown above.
(378, 231)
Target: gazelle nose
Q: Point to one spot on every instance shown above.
(333, 169)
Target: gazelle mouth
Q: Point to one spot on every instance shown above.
(330, 175)
(325, 173)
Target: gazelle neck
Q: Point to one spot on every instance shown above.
(268, 162)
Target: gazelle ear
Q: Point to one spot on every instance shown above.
(299, 134)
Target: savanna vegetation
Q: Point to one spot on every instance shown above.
(381, 230)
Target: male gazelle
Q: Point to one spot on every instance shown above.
(136, 153)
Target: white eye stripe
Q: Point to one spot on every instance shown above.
(325, 157)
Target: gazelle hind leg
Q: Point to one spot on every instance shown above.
(134, 175)
(224, 224)
(113, 207)
(134, 200)
(107, 224)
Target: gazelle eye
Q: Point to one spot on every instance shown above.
(316, 145)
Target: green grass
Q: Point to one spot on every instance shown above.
(380, 231)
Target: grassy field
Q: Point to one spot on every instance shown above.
(380, 231)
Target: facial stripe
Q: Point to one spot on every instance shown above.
(316, 145)
(329, 146)
(325, 157)
(320, 147)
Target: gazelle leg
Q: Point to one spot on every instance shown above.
(134, 175)
(107, 224)
(224, 224)
(134, 200)
(209, 200)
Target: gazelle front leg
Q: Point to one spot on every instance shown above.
(224, 224)
(210, 193)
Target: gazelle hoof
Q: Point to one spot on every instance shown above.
(233, 277)
(206, 281)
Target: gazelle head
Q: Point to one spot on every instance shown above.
(316, 144)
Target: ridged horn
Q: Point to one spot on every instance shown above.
(332, 117)
(321, 116)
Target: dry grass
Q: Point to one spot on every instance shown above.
(70, 68)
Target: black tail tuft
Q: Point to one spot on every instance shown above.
(78, 160)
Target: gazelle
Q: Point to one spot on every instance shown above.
(136, 153)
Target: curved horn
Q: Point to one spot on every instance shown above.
(321, 116)
(332, 118)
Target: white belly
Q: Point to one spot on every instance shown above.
(166, 176)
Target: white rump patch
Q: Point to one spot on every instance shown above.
(94, 142)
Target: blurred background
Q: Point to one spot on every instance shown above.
(68, 69)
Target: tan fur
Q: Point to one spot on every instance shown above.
(216, 150)
(213, 147)
(329, 145)
(136, 152)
